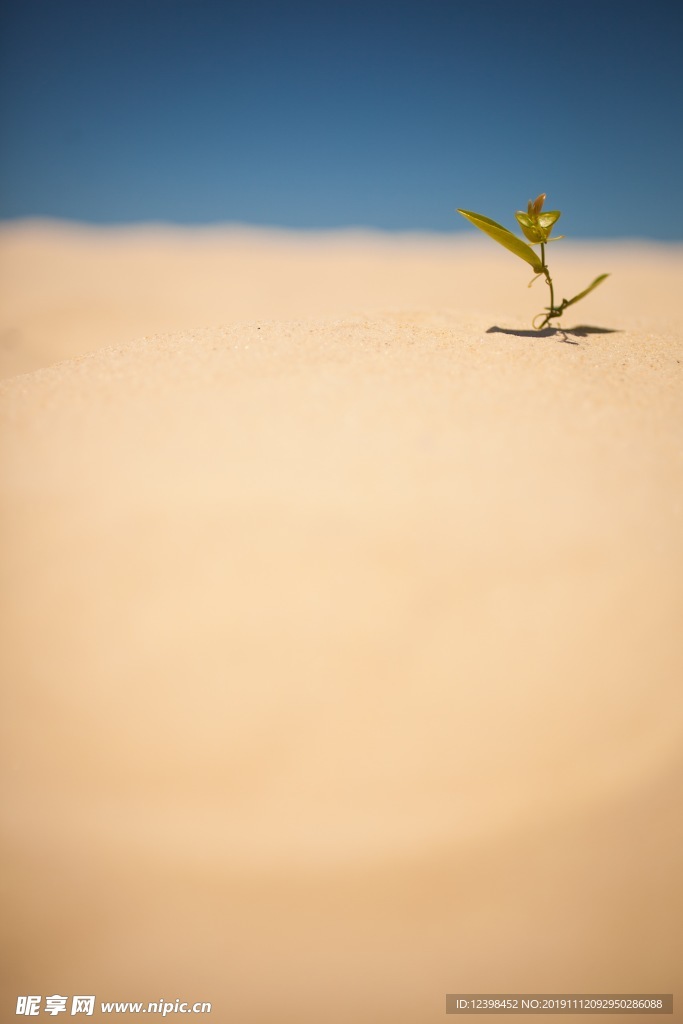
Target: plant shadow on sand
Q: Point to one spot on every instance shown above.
(580, 331)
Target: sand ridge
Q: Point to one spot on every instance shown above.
(67, 289)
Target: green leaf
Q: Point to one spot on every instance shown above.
(529, 227)
(505, 238)
(546, 220)
(581, 295)
(537, 227)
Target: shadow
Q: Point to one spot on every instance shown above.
(583, 330)
(557, 333)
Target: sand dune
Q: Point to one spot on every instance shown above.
(66, 290)
(342, 623)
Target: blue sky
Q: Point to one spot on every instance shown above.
(327, 114)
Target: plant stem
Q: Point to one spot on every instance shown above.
(552, 312)
(548, 277)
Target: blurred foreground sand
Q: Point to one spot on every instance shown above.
(342, 647)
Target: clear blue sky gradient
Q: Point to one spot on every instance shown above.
(334, 114)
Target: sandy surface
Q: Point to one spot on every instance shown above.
(68, 289)
(342, 631)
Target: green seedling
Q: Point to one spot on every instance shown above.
(537, 227)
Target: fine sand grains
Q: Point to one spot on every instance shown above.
(342, 663)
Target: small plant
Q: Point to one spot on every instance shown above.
(536, 227)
